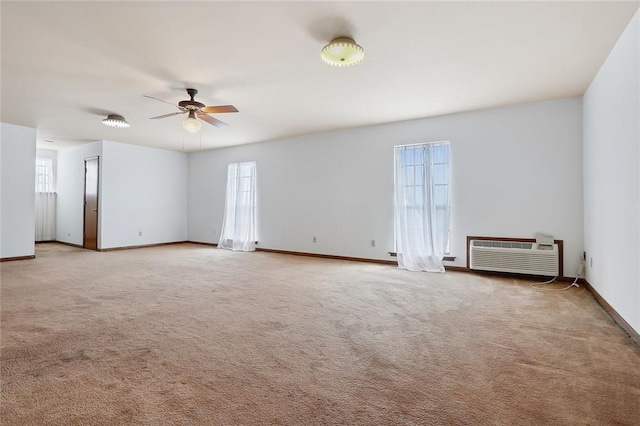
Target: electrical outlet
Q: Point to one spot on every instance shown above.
(315, 239)
(68, 234)
(139, 233)
(373, 243)
(591, 262)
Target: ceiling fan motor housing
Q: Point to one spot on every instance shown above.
(191, 104)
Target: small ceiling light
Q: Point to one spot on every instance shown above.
(191, 124)
(342, 52)
(115, 120)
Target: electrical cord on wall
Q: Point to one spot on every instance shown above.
(573, 284)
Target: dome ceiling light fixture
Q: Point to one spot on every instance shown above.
(115, 120)
(342, 52)
(191, 125)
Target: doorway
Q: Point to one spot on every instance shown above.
(90, 235)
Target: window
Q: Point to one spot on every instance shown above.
(44, 175)
(239, 224)
(422, 204)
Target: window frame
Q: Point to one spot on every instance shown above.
(44, 179)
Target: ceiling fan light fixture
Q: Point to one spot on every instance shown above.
(342, 52)
(191, 124)
(115, 120)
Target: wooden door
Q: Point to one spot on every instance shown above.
(90, 240)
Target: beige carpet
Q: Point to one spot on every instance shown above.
(188, 334)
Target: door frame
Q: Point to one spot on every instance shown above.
(84, 203)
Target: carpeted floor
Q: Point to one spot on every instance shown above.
(189, 334)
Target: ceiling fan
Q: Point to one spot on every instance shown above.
(196, 109)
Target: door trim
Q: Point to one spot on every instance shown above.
(84, 203)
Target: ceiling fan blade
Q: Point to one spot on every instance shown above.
(168, 115)
(218, 109)
(213, 121)
(166, 102)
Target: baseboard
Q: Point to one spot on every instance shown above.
(11, 259)
(307, 254)
(46, 241)
(352, 259)
(518, 276)
(335, 257)
(203, 243)
(141, 246)
(615, 316)
(456, 268)
(69, 244)
(327, 256)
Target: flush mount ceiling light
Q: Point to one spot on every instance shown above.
(191, 124)
(115, 120)
(342, 52)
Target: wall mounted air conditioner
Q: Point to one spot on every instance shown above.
(514, 257)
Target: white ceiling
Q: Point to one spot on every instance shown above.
(65, 66)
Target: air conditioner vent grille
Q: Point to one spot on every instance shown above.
(503, 244)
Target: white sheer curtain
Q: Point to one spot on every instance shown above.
(422, 206)
(45, 216)
(239, 224)
(45, 203)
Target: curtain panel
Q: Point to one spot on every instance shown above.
(239, 223)
(422, 206)
(45, 213)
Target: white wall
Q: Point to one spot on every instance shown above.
(140, 190)
(17, 183)
(516, 170)
(70, 188)
(143, 190)
(612, 179)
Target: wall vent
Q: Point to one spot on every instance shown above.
(514, 257)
